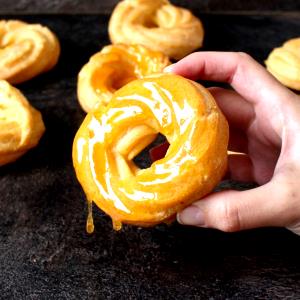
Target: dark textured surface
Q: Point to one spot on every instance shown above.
(44, 250)
(106, 6)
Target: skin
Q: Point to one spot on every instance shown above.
(264, 121)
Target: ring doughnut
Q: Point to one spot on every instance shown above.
(284, 63)
(110, 137)
(113, 67)
(21, 125)
(157, 24)
(26, 50)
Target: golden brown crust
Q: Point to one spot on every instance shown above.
(113, 67)
(158, 25)
(21, 125)
(111, 137)
(284, 63)
(26, 50)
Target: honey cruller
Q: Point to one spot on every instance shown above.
(284, 63)
(21, 125)
(113, 67)
(111, 136)
(26, 50)
(158, 25)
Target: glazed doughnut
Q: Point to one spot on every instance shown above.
(113, 67)
(110, 137)
(26, 50)
(284, 63)
(157, 24)
(21, 125)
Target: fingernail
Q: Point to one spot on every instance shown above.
(192, 215)
(295, 228)
(168, 69)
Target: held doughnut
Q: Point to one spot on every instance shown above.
(26, 50)
(21, 125)
(113, 67)
(110, 137)
(157, 24)
(284, 63)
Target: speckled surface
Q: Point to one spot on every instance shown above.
(45, 252)
(105, 6)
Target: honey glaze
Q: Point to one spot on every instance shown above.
(187, 115)
(117, 225)
(90, 222)
(113, 67)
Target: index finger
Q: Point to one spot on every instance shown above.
(240, 70)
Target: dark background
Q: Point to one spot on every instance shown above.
(45, 252)
(105, 6)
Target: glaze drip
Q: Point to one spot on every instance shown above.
(90, 222)
(186, 114)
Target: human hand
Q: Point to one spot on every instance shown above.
(264, 121)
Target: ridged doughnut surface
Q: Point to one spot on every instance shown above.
(113, 67)
(284, 63)
(26, 50)
(21, 125)
(157, 24)
(111, 137)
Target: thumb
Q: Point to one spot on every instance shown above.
(237, 210)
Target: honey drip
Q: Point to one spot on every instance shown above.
(181, 110)
(117, 225)
(90, 222)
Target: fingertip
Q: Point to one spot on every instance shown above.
(191, 215)
(178, 218)
(295, 228)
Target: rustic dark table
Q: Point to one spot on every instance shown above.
(45, 252)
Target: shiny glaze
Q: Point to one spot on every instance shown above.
(90, 221)
(110, 137)
(113, 67)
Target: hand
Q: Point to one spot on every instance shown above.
(264, 121)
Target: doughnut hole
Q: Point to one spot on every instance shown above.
(145, 158)
(110, 78)
(120, 79)
(132, 150)
(150, 23)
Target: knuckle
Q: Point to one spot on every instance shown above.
(288, 196)
(244, 56)
(288, 189)
(287, 192)
(229, 217)
(286, 200)
(289, 207)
